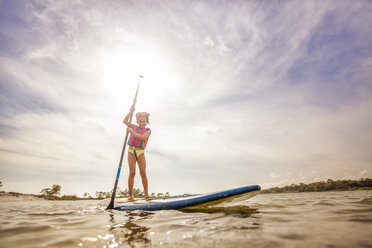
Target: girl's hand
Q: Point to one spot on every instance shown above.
(132, 108)
(129, 130)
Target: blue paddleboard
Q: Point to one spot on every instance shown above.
(207, 200)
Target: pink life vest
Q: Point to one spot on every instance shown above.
(133, 141)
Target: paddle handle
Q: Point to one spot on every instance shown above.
(111, 204)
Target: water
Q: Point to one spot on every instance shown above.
(326, 219)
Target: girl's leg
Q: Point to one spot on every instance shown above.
(142, 168)
(132, 173)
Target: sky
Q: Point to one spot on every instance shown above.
(239, 92)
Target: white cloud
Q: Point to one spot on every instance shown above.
(274, 175)
(217, 83)
(363, 172)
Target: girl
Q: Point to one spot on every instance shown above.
(139, 136)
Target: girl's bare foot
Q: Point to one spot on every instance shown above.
(130, 198)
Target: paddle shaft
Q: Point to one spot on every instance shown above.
(111, 205)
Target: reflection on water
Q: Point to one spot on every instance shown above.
(238, 211)
(327, 219)
(129, 232)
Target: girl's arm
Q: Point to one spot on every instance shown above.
(139, 136)
(126, 119)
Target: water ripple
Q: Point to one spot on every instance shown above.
(270, 220)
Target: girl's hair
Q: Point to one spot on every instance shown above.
(143, 114)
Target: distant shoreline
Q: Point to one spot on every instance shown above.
(17, 197)
(21, 197)
(268, 191)
(9, 197)
(322, 186)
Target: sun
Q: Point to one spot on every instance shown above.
(122, 65)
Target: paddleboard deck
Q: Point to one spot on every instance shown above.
(201, 201)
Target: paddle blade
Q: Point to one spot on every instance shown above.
(111, 205)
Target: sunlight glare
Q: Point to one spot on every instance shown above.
(121, 68)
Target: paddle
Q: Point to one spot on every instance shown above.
(111, 205)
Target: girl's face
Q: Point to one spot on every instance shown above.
(142, 122)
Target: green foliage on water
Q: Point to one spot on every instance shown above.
(329, 185)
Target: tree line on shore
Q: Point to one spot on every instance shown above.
(54, 193)
(137, 193)
(329, 185)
